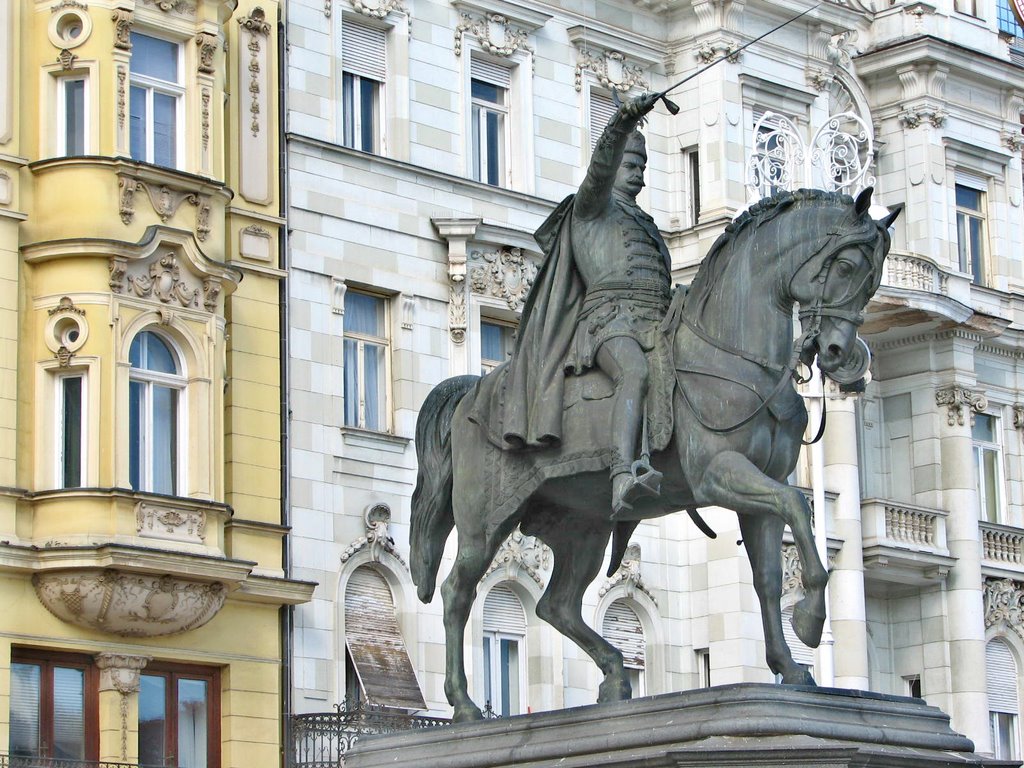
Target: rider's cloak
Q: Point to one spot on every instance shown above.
(520, 404)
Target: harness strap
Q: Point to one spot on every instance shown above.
(718, 344)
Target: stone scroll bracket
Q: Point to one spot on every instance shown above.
(457, 232)
(165, 199)
(377, 539)
(955, 397)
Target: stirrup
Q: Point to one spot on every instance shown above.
(646, 480)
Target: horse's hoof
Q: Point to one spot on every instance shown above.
(614, 687)
(467, 713)
(809, 620)
(798, 676)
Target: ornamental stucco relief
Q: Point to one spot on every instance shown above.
(377, 538)
(129, 604)
(504, 274)
(955, 397)
(157, 521)
(1004, 603)
(522, 553)
(628, 575)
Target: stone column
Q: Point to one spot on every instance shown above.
(964, 603)
(119, 706)
(846, 584)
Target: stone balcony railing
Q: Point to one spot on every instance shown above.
(916, 273)
(904, 542)
(1002, 547)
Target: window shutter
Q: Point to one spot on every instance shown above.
(801, 653)
(621, 627)
(601, 110)
(363, 51)
(1000, 677)
(503, 612)
(495, 74)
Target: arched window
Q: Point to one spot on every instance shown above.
(504, 647)
(621, 627)
(1001, 686)
(802, 655)
(155, 393)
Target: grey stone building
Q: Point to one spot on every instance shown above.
(427, 140)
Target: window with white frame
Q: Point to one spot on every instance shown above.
(969, 7)
(70, 421)
(366, 352)
(691, 171)
(802, 655)
(155, 393)
(1001, 686)
(988, 462)
(602, 109)
(970, 231)
(703, 662)
(364, 72)
(496, 342)
(72, 115)
(504, 649)
(622, 628)
(489, 85)
(897, 452)
(156, 100)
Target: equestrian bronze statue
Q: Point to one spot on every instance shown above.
(705, 377)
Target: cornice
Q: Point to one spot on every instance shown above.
(520, 14)
(887, 58)
(609, 39)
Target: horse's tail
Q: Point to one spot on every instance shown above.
(432, 516)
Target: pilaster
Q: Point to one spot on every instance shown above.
(119, 705)
(457, 233)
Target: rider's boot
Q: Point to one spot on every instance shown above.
(624, 493)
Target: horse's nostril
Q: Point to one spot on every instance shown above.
(834, 350)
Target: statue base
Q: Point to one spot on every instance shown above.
(734, 725)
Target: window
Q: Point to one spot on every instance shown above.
(602, 109)
(53, 706)
(70, 431)
(1001, 686)
(155, 100)
(179, 717)
(72, 110)
(969, 7)
(504, 657)
(154, 404)
(703, 667)
(1007, 20)
(366, 347)
(489, 85)
(622, 628)
(970, 232)
(988, 463)
(913, 686)
(898, 452)
(802, 655)
(496, 343)
(364, 72)
(691, 166)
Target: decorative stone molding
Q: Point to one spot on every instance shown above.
(408, 311)
(164, 282)
(504, 274)
(258, 27)
(377, 539)
(161, 521)
(712, 50)
(379, 11)
(66, 59)
(792, 571)
(955, 397)
(819, 79)
(1004, 603)
(117, 267)
(65, 305)
(913, 117)
(713, 15)
(612, 69)
(338, 290)
(457, 317)
(494, 32)
(522, 553)
(165, 200)
(1013, 140)
(66, 330)
(456, 232)
(122, 103)
(120, 672)
(1018, 416)
(204, 115)
(178, 6)
(128, 604)
(123, 20)
(6, 188)
(628, 575)
(207, 45)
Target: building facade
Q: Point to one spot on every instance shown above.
(142, 560)
(425, 143)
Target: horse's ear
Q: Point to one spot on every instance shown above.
(887, 221)
(863, 201)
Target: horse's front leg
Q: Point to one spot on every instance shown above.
(458, 591)
(732, 481)
(762, 537)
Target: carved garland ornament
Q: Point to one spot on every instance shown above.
(505, 274)
(120, 672)
(912, 117)
(628, 575)
(258, 27)
(1004, 603)
(457, 308)
(178, 6)
(710, 51)
(122, 110)
(522, 553)
(955, 397)
(377, 538)
(611, 69)
(165, 202)
(129, 604)
(162, 522)
(512, 38)
(379, 11)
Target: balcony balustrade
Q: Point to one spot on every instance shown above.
(903, 542)
(1002, 550)
(19, 761)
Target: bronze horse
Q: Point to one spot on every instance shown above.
(736, 426)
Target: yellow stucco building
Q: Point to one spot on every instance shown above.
(142, 571)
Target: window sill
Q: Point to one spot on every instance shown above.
(368, 438)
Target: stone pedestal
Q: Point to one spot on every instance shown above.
(734, 725)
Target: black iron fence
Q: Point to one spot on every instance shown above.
(321, 739)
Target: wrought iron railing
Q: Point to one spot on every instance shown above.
(321, 739)
(18, 761)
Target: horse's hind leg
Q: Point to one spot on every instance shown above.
(732, 481)
(579, 552)
(475, 553)
(762, 537)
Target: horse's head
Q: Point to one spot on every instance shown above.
(834, 284)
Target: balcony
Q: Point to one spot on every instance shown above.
(1002, 551)
(904, 543)
(14, 761)
(321, 739)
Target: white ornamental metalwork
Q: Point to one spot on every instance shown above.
(837, 159)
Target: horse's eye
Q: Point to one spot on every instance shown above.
(844, 269)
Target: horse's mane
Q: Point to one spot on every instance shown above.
(762, 212)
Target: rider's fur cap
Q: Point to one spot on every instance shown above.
(636, 144)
